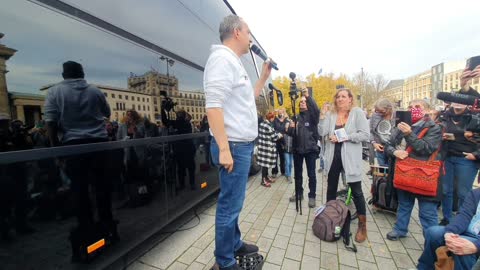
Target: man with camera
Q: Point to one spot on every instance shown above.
(305, 145)
(232, 116)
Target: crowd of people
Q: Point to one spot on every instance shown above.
(433, 134)
(77, 113)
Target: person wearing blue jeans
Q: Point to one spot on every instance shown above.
(419, 148)
(463, 171)
(460, 236)
(427, 212)
(288, 165)
(460, 167)
(232, 117)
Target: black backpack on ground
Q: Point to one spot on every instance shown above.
(384, 195)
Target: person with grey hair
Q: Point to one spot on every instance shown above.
(407, 141)
(232, 116)
(381, 125)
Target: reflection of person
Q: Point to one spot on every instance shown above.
(13, 179)
(404, 136)
(460, 236)
(75, 113)
(231, 111)
(346, 156)
(184, 151)
(267, 150)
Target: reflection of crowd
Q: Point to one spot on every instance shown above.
(76, 113)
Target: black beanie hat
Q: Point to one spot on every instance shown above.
(72, 70)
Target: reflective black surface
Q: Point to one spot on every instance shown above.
(42, 199)
(122, 191)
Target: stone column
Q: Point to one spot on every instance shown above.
(20, 113)
(5, 54)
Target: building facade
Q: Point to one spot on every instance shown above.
(5, 54)
(418, 86)
(145, 95)
(394, 92)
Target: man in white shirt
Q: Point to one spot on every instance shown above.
(232, 116)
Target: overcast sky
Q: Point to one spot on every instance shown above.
(395, 38)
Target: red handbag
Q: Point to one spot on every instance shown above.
(418, 176)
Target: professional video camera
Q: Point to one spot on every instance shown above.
(293, 87)
(167, 103)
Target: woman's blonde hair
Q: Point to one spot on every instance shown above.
(350, 95)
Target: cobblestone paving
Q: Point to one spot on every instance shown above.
(285, 238)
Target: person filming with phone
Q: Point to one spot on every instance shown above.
(460, 165)
(415, 143)
(346, 127)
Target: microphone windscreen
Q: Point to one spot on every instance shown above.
(456, 98)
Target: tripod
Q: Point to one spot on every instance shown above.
(294, 96)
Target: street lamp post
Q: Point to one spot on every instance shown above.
(169, 62)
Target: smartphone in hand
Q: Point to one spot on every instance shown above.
(449, 136)
(403, 116)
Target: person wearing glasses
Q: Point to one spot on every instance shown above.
(381, 125)
(405, 136)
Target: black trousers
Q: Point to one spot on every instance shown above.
(85, 170)
(332, 185)
(280, 153)
(310, 160)
(264, 172)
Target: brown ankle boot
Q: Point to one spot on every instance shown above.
(362, 229)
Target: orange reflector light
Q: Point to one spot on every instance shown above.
(95, 246)
(203, 185)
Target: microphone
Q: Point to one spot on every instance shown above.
(292, 76)
(279, 94)
(272, 87)
(262, 55)
(457, 98)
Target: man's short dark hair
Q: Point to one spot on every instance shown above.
(72, 70)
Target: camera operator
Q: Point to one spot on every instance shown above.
(305, 145)
(459, 160)
(184, 150)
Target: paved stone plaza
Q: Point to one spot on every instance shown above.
(285, 238)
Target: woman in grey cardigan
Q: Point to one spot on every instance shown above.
(345, 153)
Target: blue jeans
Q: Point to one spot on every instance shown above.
(230, 200)
(288, 163)
(310, 160)
(381, 158)
(427, 212)
(463, 171)
(434, 238)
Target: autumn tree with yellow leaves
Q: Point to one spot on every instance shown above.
(324, 88)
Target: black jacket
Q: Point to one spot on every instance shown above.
(306, 132)
(422, 148)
